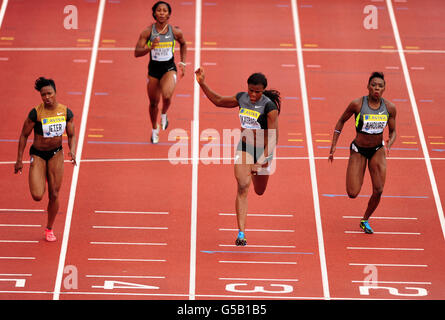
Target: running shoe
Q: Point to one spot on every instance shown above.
(49, 235)
(241, 239)
(164, 122)
(155, 135)
(364, 224)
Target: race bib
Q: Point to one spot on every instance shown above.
(163, 51)
(249, 119)
(53, 126)
(374, 123)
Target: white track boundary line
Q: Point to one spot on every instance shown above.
(3, 11)
(340, 50)
(416, 116)
(304, 99)
(214, 159)
(75, 177)
(195, 154)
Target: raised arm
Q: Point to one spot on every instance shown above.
(217, 100)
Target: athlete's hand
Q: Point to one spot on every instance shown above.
(331, 154)
(182, 67)
(387, 147)
(200, 76)
(73, 158)
(18, 167)
(155, 43)
(258, 168)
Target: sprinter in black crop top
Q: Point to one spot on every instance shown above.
(49, 120)
(372, 114)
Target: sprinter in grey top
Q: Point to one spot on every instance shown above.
(159, 40)
(372, 115)
(258, 111)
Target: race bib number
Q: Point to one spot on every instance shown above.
(374, 123)
(163, 51)
(249, 119)
(53, 126)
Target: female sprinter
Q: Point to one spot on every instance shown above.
(159, 39)
(258, 112)
(372, 114)
(49, 121)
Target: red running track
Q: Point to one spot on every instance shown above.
(140, 228)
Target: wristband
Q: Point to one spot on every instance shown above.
(337, 131)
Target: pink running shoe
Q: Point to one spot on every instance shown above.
(49, 235)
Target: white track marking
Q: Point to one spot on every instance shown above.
(389, 265)
(335, 50)
(195, 154)
(417, 117)
(307, 122)
(131, 212)
(3, 11)
(259, 279)
(83, 124)
(257, 262)
(390, 249)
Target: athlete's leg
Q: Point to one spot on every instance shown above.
(37, 177)
(243, 177)
(154, 93)
(55, 175)
(377, 170)
(260, 183)
(355, 173)
(167, 84)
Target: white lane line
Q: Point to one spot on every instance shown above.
(259, 246)
(258, 262)
(307, 124)
(15, 274)
(389, 265)
(124, 277)
(127, 227)
(83, 124)
(204, 159)
(259, 215)
(259, 279)
(131, 212)
(130, 243)
(195, 154)
(353, 50)
(394, 249)
(126, 260)
(17, 258)
(417, 117)
(257, 230)
(380, 218)
(21, 225)
(395, 282)
(22, 210)
(19, 241)
(384, 232)
(3, 11)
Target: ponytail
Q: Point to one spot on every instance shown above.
(274, 95)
